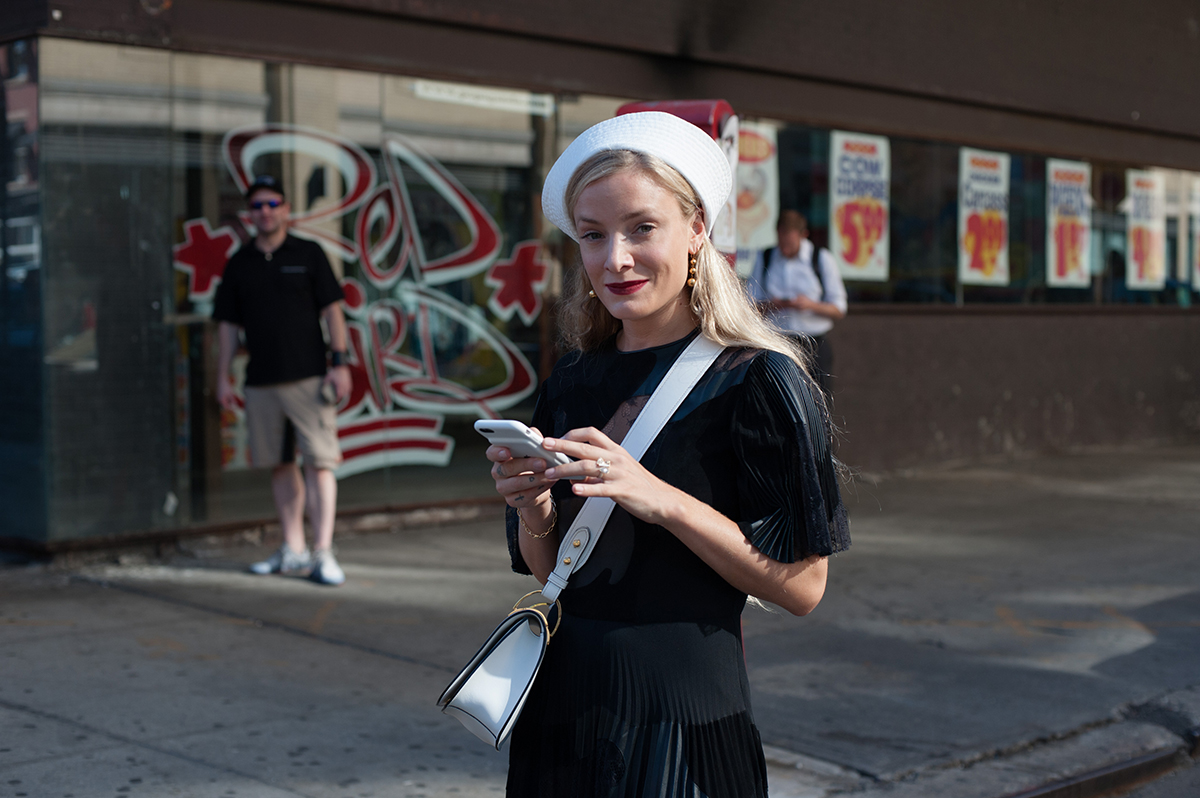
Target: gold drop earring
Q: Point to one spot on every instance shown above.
(691, 281)
(591, 294)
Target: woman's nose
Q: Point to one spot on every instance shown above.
(619, 255)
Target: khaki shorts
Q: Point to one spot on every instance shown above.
(291, 415)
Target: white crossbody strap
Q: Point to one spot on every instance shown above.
(581, 538)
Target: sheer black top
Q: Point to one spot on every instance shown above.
(751, 441)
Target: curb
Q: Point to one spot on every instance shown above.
(1107, 780)
(1100, 761)
(355, 520)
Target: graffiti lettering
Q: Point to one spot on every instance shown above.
(415, 353)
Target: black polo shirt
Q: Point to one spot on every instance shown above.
(277, 299)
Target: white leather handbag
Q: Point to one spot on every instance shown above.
(488, 694)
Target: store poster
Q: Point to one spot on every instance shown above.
(860, 172)
(724, 232)
(1068, 224)
(757, 193)
(1145, 231)
(983, 180)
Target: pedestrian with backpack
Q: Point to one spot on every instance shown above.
(798, 287)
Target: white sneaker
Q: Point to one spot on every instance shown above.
(283, 561)
(326, 570)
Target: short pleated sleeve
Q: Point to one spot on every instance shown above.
(790, 503)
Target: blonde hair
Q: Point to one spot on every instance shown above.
(718, 301)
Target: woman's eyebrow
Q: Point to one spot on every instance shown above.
(623, 217)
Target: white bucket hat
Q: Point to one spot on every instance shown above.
(680, 144)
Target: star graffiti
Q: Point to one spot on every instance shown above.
(203, 255)
(399, 397)
(518, 282)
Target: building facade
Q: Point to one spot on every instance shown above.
(1011, 194)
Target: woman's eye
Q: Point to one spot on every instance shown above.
(590, 235)
(644, 228)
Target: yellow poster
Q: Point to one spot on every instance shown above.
(859, 190)
(1068, 224)
(1146, 231)
(983, 180)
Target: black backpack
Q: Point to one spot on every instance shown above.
(816, 267)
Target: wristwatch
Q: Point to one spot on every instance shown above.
(337, 358)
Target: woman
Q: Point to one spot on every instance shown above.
(643, 690)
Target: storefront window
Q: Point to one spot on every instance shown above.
(105, 150)
(923, 241)
(424, 196)
(922, 235)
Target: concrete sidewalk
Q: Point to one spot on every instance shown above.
(1030, 628)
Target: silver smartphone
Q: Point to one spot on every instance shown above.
(519, 439)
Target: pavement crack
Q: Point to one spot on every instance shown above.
(131, 741)
(263, 623)
(883, 610)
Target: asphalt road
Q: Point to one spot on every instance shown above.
(992, 629)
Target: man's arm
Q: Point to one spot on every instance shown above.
(832, 304)
(335, 323)
(827, 309)
(227, 342)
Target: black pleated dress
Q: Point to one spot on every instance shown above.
(643, 691)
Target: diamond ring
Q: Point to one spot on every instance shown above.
(602, 466)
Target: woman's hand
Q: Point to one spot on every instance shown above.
(610, 472)
(521, 481)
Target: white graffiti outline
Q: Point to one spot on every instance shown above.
(397, 409)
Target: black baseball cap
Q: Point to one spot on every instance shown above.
(265, 181)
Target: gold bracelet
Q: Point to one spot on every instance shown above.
(549, 529)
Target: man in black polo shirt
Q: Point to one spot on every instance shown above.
(277, 289)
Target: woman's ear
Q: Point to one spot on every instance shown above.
(699, 231)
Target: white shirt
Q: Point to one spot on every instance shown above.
(790, 277)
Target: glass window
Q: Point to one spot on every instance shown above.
(106, 166)
(424, 196)
(923, 232)
(923, 224)
(22, 453)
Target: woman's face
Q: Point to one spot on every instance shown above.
(635, 244)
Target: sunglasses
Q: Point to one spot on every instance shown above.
(258, 205)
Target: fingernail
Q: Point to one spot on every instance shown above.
(549, 442)
(539, 463)
(550, 473)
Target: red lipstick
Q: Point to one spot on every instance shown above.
(621, 289)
